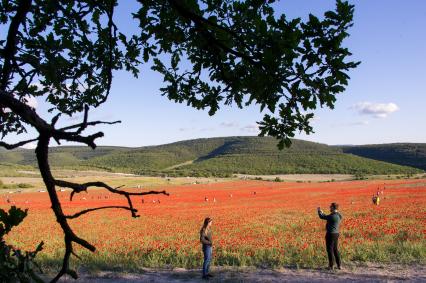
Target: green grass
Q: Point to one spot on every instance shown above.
(378, 252)
(15, 186)
(15, 170)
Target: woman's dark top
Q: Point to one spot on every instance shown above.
(206, 238)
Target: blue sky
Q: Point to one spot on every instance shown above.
(383, 103)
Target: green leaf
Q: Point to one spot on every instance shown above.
(175, 60)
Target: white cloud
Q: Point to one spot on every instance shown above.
(209, 129)
(252, 128)
(229, 124)
(381, 115)
(358, 123)
(377, 110)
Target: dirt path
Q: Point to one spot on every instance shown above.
(179, 165)
(370, 273)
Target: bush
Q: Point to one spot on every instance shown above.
(24, 186)
(16, 265)
(360, 177)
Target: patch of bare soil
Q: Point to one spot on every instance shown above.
(367, 273)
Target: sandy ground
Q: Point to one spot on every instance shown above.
(369, 273)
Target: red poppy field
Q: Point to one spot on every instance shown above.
(255, 223)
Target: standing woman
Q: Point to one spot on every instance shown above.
(206, 240)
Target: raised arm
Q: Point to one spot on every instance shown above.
(322, 215)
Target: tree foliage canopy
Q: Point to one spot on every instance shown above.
(218, 52)
(210, 53)
(240, 52)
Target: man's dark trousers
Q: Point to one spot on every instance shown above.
(331, 242)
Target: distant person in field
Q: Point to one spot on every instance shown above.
(332, 234)
(206, 241)
(377, 200)
(374, 199)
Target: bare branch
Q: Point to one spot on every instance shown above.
(77, 188)
(55, 119)
(42, 152)
(89, 140)
(30, 116)
(12, 146)
(83, 187)
(65, 264)
(84, 124)
(89, 124)
(76, 255)
(78, 214)
(10, 49)
(129, 201)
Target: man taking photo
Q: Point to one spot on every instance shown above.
(332, 235)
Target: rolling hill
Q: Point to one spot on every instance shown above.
(408, 154)
(222, 157)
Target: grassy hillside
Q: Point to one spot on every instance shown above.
(299, 163)
(200, 151)
(63, 156)
(255, 155)
(409, 154)
(156, 158)
(213, 156)
(248, 155)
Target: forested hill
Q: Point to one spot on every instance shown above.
(409, 154)
(215, 157)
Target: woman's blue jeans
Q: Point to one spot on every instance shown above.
(207, 251)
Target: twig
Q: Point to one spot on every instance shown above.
(78, 214)
(89, 124)
(12, 146)
(77, 188)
